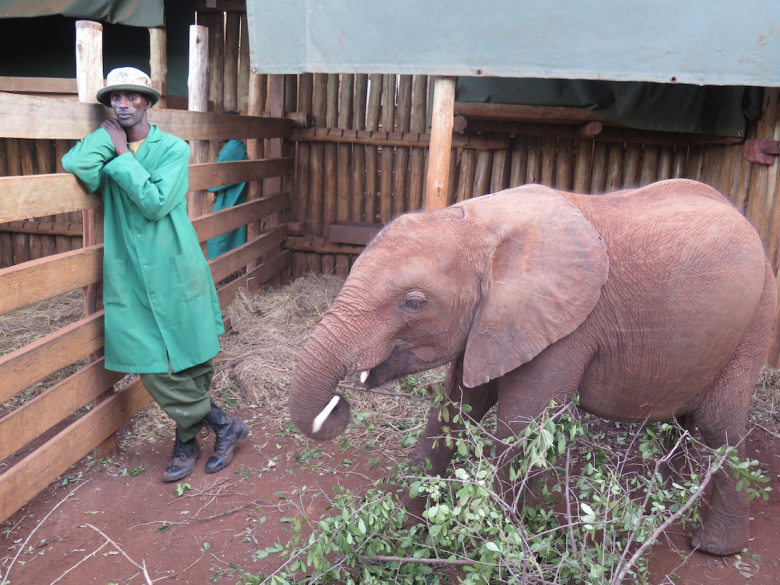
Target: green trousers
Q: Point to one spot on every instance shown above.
(184, 396)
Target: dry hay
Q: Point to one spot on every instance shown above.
(766, 401)
(269, 331)
(24, 326)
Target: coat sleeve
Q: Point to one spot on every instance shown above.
(158, 193)
(87, 159)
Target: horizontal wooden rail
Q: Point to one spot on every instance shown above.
(38, 195)
(353, 232)
(254, 278)
(60, 85)
(27, 365)
(605, 135)
(213, 224)
(48, 118)
(377, 138)
(28, 477)
(319, 246)
(48, 277)
(31, 420)
(225, 265)
(519, 113)
(207, 175)
(43, 228)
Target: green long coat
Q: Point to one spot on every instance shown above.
(158, 293)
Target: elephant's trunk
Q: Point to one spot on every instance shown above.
(315, 407)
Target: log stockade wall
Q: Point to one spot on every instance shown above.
(363, 162)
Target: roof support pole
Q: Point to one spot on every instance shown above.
(441, 143)
(89, 79)
(158, 62)
(198, 90)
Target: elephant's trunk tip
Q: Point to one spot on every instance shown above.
(331, 421)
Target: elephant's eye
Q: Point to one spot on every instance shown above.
(414, 303)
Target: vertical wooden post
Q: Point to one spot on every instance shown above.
(386, 163)
(256, 93)
(358, 197)
(401, 162)
(376, 81)
(303, 168)
(230, 84)
(582, 165)
(243, 67)
(158, 62)
(6, 238)
(89, 79)
(330, 164)
(519, 161)
(417, 124)
(198, 89)
(441, 143)
(316, 177)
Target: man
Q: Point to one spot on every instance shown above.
(162, 315)
(228, 196)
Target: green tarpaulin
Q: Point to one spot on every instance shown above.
(146, 13)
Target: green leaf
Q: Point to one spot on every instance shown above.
(492, 546)
(280, 495)
(163, 528)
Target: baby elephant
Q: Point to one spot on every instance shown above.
(651, 304)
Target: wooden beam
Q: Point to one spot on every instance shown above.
(22, 482)
(318, 246)
(198, 91)
(569, 131)
(27, 365)
(214, 224)
(48, 277)
(227, 264)
(254, 278)
(436, 183)
(207, 175)
(47, 118)
(31, 420)
(518, 113)
(40, 195)
(353, 232)
(48, 228)
(158, 62)
(38, 85)
(416, 139)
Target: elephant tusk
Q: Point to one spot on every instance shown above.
(321, 417)
(363, 377)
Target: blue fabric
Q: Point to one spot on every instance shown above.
(228, 196)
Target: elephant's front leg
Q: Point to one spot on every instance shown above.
(525, 393)
(432, 455)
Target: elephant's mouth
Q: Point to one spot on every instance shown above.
(401, 362)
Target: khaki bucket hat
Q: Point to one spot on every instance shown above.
(127, 79)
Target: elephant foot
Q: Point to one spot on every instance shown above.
(720, 542)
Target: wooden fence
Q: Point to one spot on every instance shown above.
(48, 259)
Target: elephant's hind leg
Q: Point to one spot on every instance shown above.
(722, 419)
(434, 455)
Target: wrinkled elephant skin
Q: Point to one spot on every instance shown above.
(651, 304)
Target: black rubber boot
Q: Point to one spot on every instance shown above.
(183, 459)
(229, 431)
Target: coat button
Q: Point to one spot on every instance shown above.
(146, 267)
(152, 296)
(137, 235)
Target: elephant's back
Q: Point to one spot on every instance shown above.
(687, 272)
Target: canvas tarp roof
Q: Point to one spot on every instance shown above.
(144, 13)
(715, 42)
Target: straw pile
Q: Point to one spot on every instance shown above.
(22, 327)
(269, 331)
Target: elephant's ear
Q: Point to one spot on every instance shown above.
(545, 277)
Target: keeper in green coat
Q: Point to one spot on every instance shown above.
(162, 315)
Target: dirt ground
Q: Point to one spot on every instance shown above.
(217, 522)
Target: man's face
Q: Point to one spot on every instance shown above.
(129, 107)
